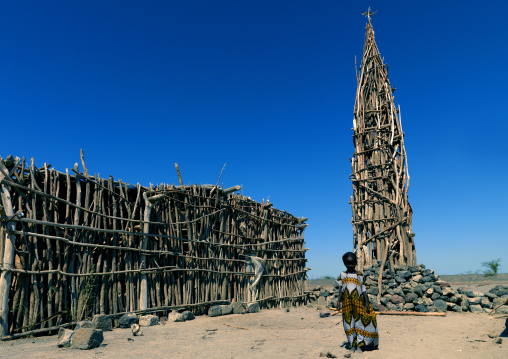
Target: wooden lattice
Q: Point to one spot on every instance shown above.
(381, 212)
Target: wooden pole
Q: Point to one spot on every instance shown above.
(10, 239)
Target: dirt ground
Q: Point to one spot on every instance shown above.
(297, 333)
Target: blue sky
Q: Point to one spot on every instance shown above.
(268, 88)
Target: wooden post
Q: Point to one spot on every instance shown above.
(8, 259)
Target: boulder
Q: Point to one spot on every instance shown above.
(148, 320)
(411, 297)
(127, 320)
(87, 338)
(502, 309)
(417, 278)
(454, 307)
(421, 308)
(252, 307)
(491, 296)
(214, 311)
(440, 305)
(394, 307)
(485, 303)
(373, 290)
(474, 300)
(500, 290)
(399, 279)
(378, 307)
(397, 299)
(476, 308)
(136, 330)
(188, 315)
(85, 324)
(435, 296)
(238, 308)
(226, 309)
(102, 322)
(409, 306)
(324, 293)
(176, 317)
(64, 338)
(404, 274)
(498, 301)
(447, 291)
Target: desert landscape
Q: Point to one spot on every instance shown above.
(295, 332)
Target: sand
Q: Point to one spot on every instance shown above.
(297, 333)
(276, 333)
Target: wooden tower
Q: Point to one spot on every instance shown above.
(381, 212)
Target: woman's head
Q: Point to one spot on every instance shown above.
(350, 261)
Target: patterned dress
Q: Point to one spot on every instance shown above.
(360, 326)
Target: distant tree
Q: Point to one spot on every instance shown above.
(327, 277)
(492, 267)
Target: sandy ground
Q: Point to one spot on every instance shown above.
(276, 333)
(297, 333)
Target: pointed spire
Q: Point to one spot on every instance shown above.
(381, 212)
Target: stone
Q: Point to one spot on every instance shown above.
(102, 322)
(252, 307)
(427, 301)
(454, 298)
(421, 308)
(389, 291)
(214, 311)
(440, 305)
(499, 290)
(502, 309)
(417, 278)
(398, 291)
(429, 292)
(394, 307)
(454, 307)
(384, 300)
(226, 309)
(411, 297)
(498, 341)
(447, 291)
(437, 289)
(476, 308)
(136, 330)
(87, 338)
(498, 301)
(475, 300)
(491, 296)
(435, 296)
(321, 301)
(373, 290)
(64, 338)
(369, 281)
(324, 293)
(176, 317)
(464, 302)
(324, 314)
(409, 306)
(399, 279)
(378, 307)
(427, 279)
(148, 320)
(188, 315)
(85, 324)
(485, 303)
(127, 320)
(397, 299)
(418, 290)
(404, 274)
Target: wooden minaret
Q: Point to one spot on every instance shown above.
(381, 212)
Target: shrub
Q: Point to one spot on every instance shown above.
(492, 267)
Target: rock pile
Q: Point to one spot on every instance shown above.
(415, 288)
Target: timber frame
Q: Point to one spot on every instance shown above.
(382, 215)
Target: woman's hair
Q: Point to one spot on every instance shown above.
(349, 255)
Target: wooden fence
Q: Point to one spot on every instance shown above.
(74, 245)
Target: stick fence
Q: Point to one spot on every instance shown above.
(87, 245)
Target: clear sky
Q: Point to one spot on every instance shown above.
(268, 87)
